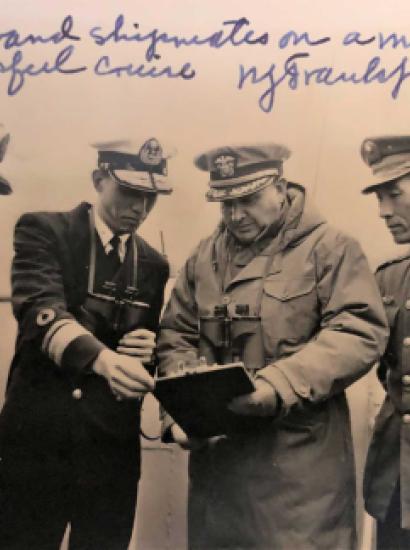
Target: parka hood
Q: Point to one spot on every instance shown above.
(302, 218)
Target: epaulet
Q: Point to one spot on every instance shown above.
(395, 260)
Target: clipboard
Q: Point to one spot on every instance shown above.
(197, 398)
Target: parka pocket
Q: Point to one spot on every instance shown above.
(287, 289)
(290, 306)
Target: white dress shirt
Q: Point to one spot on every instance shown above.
(105, 234)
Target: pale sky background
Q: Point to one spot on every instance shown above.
(54, 118)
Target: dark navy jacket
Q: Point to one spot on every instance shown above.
(43, 412)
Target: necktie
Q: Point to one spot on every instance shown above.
(114, 252)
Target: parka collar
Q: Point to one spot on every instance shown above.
(302, 218)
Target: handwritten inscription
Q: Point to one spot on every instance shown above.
(294, 75)
(294, 72)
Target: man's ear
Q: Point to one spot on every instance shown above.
(151, 200)
(281, 185)
(97, 176)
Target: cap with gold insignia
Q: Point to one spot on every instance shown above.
(236, 171)
(388, 157)
(142, 167)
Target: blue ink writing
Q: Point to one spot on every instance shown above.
(295, 39)
(383, 41)
(394, 41)
(267, 99)
(103, 68)
(12, 39)
(153, 38)
(296, 77)
(356, 38)
(18, 74)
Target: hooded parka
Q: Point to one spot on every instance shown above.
(288, 483)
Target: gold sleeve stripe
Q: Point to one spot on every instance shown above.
(62, 338)
(51, 331)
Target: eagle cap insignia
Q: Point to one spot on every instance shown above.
(151, 152)
(225, 166)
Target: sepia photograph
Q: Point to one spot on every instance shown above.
(204, 275)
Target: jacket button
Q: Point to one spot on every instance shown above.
(406, 418)
(77, 394)
(406, 379)
(406, 341)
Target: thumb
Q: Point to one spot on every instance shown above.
(135, 370)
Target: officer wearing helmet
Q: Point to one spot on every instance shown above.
(87, 292)
(387, 474)
(283, 476)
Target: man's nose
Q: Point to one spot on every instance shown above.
(385, 207)
(138, 206)
(237, 212)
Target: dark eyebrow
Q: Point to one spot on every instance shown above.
(387, 187)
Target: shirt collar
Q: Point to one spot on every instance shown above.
(105, 234)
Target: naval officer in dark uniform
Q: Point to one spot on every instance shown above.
(387, 475)
(87, 292)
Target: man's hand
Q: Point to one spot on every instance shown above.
(126, 376)
(190, 443)
(262, 402)
(138, 343)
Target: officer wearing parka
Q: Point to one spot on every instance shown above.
(287, 481)
(387, 474)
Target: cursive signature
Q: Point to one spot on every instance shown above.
(296, 76)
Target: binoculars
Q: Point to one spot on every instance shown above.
(109, 316)
(227, 339)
